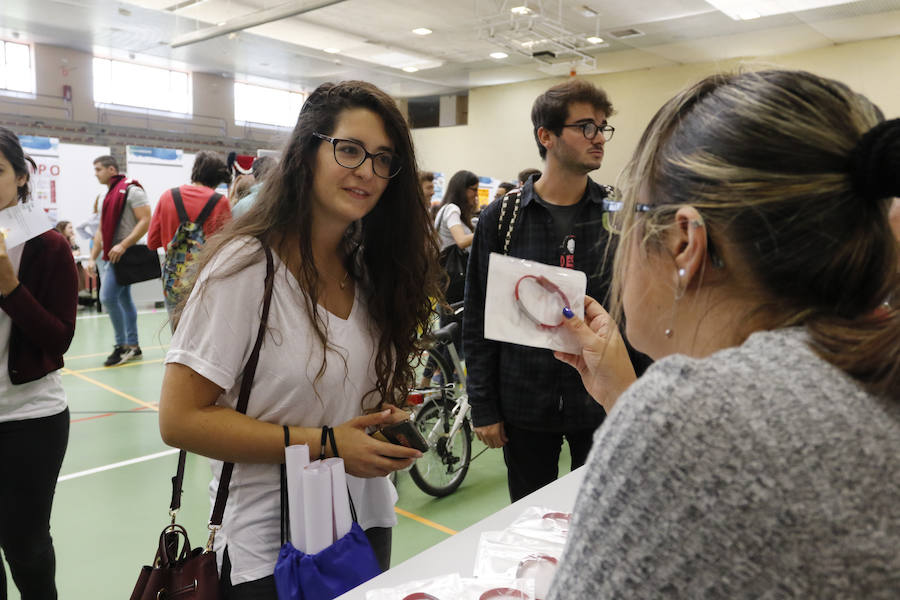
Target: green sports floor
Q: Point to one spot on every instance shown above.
(114, 488)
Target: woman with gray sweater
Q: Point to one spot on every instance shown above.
(758, 457)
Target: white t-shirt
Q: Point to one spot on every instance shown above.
(447, 217)
(215, 338)
(43, 397)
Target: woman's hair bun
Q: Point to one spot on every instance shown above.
(875, 162)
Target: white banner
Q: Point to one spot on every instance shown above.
(154, 156)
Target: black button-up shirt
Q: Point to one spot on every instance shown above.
(517, 384)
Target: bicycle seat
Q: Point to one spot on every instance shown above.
(445, 334)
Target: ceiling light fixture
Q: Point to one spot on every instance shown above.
(410, 69)
(595, 40)
(743, 10)
(421, 31)
(184, 4)
(277, 13)
(499, 55)
(520, 10)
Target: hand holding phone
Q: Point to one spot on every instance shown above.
(403, 433)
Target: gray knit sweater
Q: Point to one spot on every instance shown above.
(759, 472)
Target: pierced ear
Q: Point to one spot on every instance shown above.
(688, 244)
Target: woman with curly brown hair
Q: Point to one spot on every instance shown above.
(355, 266)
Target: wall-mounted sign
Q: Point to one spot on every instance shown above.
(154, 156)
(39, 146)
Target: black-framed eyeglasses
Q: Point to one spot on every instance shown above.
(614, 221)
(590, 130)
(350, 155)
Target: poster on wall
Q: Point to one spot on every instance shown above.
(45, 152)
(438, 188)
(39, 146)
(154, 156)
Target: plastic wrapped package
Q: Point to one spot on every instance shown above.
(453, 587)
(542, 524)
(524, 302)
(505, 555)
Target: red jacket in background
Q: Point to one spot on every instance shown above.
(165, 218)
(42, 308)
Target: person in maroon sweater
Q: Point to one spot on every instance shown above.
(39, 299)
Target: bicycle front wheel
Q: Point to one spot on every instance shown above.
(442, 469)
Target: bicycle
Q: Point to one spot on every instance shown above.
(441, 413)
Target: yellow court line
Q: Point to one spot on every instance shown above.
(110, 389)
(107, 369)
(104, 353)
(424, 521)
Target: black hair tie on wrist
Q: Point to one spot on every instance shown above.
(324, 442)
(874, 163)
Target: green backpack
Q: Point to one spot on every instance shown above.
(186, 243)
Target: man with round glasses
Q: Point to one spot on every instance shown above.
(522, 398)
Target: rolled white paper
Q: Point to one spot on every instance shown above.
(317, 513)
(296, 458)
(340, 499)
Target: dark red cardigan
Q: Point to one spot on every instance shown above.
(42, 308)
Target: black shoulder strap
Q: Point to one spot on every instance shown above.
(179, 205)
(243, 399)
(441, 214)
(509, 213)
(208, 208)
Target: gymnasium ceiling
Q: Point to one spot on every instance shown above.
(311, 41)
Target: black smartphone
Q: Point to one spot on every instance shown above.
(403, 433)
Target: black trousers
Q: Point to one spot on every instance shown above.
(532, 457)
(264, 589)
(31, 454)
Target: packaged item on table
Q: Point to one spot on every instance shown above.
(436, 588)
(454, 587)
(543, 524)
(497, 589)
(505, 554)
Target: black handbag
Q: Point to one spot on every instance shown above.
(138, 263)
(455, 261)
(188, 574)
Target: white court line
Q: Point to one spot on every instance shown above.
(124, 463)
(140, 312)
